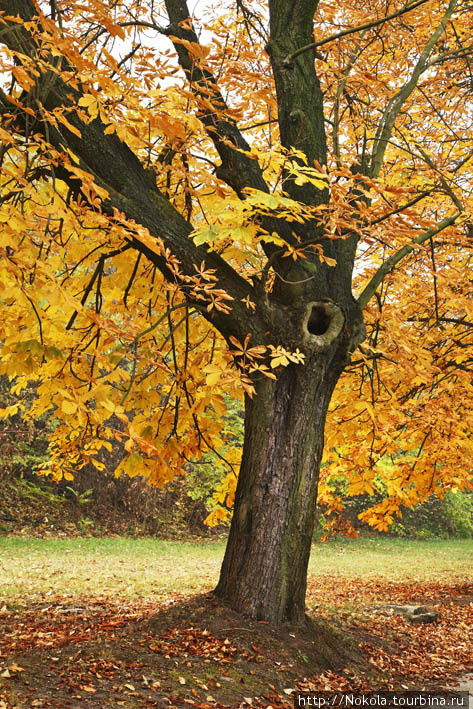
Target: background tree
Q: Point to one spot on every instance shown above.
(171, 232)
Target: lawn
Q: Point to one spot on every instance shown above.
(119, 622)
(153, 569)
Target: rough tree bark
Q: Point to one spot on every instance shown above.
(265, 566)
(264, 572)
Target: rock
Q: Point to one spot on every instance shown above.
(414, 614)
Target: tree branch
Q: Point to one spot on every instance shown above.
(130, 190)
(460, 53)
(299, 96)
(386, 124)
(353, 30)
(393, 260)
(237, 169)
(441, 318)
(354, 55)
(442, 179)
(399, 210)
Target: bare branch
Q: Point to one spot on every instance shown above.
(443, 319)
(400, 209)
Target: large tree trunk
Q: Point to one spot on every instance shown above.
(264, 571)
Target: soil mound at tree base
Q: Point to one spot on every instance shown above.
(310, 647)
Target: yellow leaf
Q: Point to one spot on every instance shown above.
(22, 77)
(62, 119)
(16, 668)
(68, 407)
(87, 100)
(129, 445)
(91, 104)
(212, 378)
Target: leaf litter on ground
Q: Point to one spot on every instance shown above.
(99, 652)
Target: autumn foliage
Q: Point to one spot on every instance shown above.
(124, 337)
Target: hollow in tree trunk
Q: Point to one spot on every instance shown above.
(264, 571)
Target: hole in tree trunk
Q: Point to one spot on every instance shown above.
(319, 320)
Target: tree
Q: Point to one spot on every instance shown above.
(154, 256)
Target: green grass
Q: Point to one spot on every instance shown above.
(154, 569)
(133, 568)
(388, 558)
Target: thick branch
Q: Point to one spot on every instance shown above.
(299, 97)
(393, 260)
(237, 168)
(131, 191)
(451, 54)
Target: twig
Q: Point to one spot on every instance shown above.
(352, 30)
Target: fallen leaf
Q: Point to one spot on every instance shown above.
(16, 668)
(87, 688)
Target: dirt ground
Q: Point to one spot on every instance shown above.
(198, 653)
